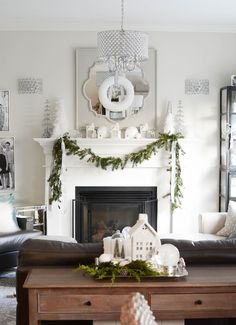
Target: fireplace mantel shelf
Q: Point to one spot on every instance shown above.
(100, 142)
(108, 147)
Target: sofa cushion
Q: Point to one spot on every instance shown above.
(205, 251)
(12, 241)
(233, 234)
(8, 222)
(64, 239)
(36, 252)
(192, 236)
(230, 221)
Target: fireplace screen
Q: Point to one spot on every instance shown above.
(99, 211)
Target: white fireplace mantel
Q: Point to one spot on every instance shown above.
(107, 147)
(78, 172)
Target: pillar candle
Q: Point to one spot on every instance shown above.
(107, 245)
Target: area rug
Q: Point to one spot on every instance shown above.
(7, 298)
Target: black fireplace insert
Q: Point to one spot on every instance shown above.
(99, 211)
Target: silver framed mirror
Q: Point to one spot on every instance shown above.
(90, 75)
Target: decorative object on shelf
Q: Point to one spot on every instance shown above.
(151, 134)
(164, 141)
(7, 164)
(30, 86)
(169, 120)
(74, 133)
(91, 131)
(180, 126)
(143, 129)
(122, 50)
(47, 120)
(59, 118)
(197, 87)
(115, 131)
(233, 80)
(4, 110)
(131, 132)
(102, 132)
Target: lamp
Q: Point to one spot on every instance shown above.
(122, 51)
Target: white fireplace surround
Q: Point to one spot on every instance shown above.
(81, 173)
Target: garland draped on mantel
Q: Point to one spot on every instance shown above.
(164, 141)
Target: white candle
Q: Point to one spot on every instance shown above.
(107, 245)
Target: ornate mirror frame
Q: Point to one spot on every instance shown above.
(85, 58)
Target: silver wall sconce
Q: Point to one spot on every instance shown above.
(30, 86)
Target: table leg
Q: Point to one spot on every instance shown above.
(33, 319)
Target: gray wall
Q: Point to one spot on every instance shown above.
(51, 56)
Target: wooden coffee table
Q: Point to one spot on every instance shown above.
(62, 294)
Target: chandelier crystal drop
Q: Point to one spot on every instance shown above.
(122, 50)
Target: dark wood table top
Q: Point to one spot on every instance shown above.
(208, 277)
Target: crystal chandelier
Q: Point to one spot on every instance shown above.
(122, 50)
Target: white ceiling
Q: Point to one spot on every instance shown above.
(176, 15)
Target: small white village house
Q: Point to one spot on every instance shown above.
(144, 239)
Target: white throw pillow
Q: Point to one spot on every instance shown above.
(8, 221)
(230, 221)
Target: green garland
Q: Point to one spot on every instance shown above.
(135, 269)
(164, 141)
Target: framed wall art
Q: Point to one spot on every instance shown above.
(7, 164)
(4, 110)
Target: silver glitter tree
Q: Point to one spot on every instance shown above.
(180, 126)
(116, 250)
(47, 120)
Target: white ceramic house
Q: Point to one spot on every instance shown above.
(144, 239)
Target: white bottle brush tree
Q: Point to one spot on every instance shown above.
(60, 123)
(169, 121)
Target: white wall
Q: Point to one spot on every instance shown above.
(51, 56)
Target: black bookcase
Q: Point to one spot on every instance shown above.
(227, 174)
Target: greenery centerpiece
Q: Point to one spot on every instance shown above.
(135, 269)
(164, 141)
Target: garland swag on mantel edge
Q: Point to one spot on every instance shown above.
(164, 141)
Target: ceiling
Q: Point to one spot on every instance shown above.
(165, 15)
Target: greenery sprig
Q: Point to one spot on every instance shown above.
(135, 269)
(164, 140)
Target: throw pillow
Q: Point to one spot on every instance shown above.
(8, 222)
(233, 234)
(230, 221)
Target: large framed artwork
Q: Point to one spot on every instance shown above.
(7, 164)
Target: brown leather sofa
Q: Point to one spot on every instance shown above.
(48, 253)
(10, 243)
